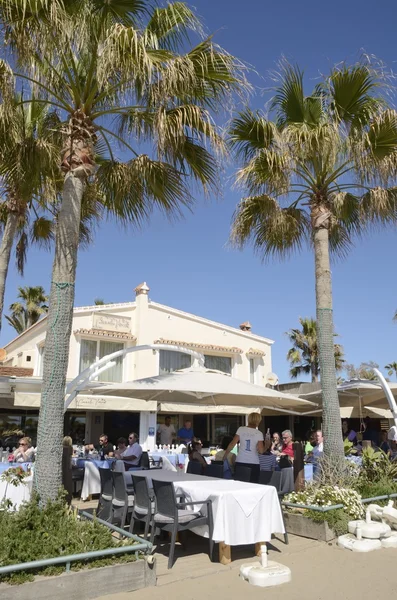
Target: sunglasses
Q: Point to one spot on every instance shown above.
(23, 444)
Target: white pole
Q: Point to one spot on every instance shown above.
(388, 393)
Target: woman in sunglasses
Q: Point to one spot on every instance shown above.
(25, 451)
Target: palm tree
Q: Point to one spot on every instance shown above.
(303, 356)
(118, 73)
(100, 302)
(28, 167)
(391, 368)
(364, 371)
(312, 174)
(27, 312)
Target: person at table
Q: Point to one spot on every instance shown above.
(276, 442)
(267, 458)
(348, 433)
(132, 454)
(121, 446)
(166, 432)
(194, 451)
(384, 444)
(392, 438)
(250, 440)
(370, 434)
(185, 434)
(25, 451)
(231, 458)
(105, 448)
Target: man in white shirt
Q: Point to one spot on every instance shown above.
(132, 454)
(319, 447)
(166, 432)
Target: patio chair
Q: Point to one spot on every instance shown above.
(214, 470)
(104, 507)
(274, 478)
(77, 478)
(194, 467)
(144, 462)
(122, 503)
(144, 504)
(172, 516)
(242, 473)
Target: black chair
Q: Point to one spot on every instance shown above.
(214, 470)
(194, 467)
(144, 462)
(104, 507)
(77, 479)
(172, 516)
(144, 504)
(122, 503)
(242, 473)
(274, 478)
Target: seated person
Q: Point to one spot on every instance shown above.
(132, 454)
(231, 459)
(276, 442)
(194, 450)
(318, 448)
(105, 448)
(121, 446)
(25, 451)
(384, 444)
(348, 433)
(267, 459)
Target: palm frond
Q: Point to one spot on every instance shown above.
(169, 26)
(249, 133)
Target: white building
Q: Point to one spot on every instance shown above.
(101, 330)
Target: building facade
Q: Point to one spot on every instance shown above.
(100, 330)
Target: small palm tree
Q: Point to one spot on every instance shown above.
(100, 302)
(123, 75)
(364, 371)
(32, 305)
(391, 368)
(312, 174)
(303, 356)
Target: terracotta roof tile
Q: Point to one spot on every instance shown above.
(256, 352)
(119, 335)
(15, 372)
(199, 346)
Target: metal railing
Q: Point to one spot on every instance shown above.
(141, 545)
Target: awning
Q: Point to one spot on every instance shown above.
(90, 402)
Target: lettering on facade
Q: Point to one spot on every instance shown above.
(91, 401)
(112, 323)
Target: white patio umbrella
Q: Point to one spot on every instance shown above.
(203, 388)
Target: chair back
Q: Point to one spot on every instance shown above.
(141, 493)
(119, 487)
(242, 473)
(106, 481)
(271, 478)
(144, 461)
(214, 470)
(194, 467)
(164, 492)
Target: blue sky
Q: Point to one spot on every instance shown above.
(188, 264)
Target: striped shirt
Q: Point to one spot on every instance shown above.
(267, 462)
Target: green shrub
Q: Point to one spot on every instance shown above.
(371, 489)
(337, 519)
(34, 533)
(328, 495)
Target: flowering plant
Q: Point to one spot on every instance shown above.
(11, 458)
(14, 475)
(328, 495)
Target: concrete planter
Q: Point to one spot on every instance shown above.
(86, 584)
(305, 527)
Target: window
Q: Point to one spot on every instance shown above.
(225, 426)
(252, 370)
(218, 363)
(28, 358)
(172, 361)
(93, 350)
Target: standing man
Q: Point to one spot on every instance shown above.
(132, 454)
(185, 434)
(166, 432)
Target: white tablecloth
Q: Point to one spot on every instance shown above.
(17, 494)
(243, 513)
(92, 478)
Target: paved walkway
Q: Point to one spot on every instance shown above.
(319, 572)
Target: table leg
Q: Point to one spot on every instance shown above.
(225, 554)
(258, 548)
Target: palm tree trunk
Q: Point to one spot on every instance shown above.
(48, 471)
(333, 442)
(314, 372)
(5, 254)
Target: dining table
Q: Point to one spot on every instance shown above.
(243, 513)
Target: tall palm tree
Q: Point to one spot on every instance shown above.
(119, 74)
(32, 305)
(391, 368)
(28, 168)
(312, 174)
(304, 356)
